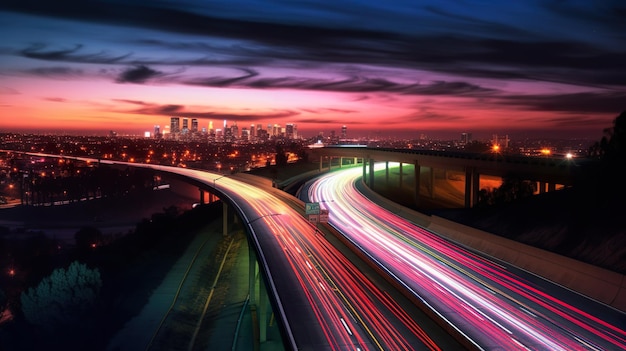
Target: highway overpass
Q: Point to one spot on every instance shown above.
(548, 172)
(496, 305)
(321, 300)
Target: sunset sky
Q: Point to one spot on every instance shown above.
(383, 68)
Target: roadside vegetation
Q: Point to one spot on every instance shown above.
(76, 298)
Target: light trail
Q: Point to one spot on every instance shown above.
(491, 306)
(335, 306)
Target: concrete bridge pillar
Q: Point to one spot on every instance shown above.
(386, 173)
(401, 180)
(417, 183)
(365, 170)
(224, 219)
(475, 187)
(542, 187)
(472, 181)
(432, 182)
(252, 274)
(371, 174)
(202, 197)
(252, 264)
(340, 161)
(263, 301)
(551, 186)
(321, 161)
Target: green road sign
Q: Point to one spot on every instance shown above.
(312, 208)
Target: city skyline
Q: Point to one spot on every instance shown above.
(440, 68)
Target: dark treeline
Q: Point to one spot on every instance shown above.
(123, 272)
(72, 183)
(584, 222)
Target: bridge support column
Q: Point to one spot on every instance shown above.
(417, 183)
(356, 160)
(321, 160)
(365, 170)
(386, 173)
(340, 161)
(401, 180)
(371, 174)
(252, 274)
(201, 197)
(224, 219)
(472, 180)
(475, 187)
(432, 182)
(542, 187)
(551, 186)
(263, 300)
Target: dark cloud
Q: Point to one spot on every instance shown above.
(349, 85)
(42, 52)
(152, 109)
(8, 91)
(590, 102)
(134, 102)
(56, 72)
(224, 81)
(507, 57)
(430, 116)
(326, 110)
(138, 74)
(55, 99)
(329, 121)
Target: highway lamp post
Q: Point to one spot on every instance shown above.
(216, 179)
(263, 216)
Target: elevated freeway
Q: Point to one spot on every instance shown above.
(494, 304)
(548, 172)
(320, 299)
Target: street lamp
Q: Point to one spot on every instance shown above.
(263, 216)
(218, 178)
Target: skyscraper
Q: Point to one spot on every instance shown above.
(174, 125)
(466, 138)
(194, 125)
(344, 132)
(289, 131)
(234, 130)
(252, 132)
(185, 128)
(157, 131)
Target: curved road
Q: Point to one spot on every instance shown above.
(495, 306)
(321, 299)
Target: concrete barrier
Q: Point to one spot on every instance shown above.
(597, 283)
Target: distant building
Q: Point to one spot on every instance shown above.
(502, 142)
(344, 132)
(194, 125)
(466, 138)
(185, 129)
(234, 131)
(157, 131)
(175, 125)
(289, 131)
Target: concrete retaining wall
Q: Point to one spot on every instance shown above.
(599, 284)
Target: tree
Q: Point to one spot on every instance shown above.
(62, 299)
(603, 182)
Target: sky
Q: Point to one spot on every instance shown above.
(396, 68)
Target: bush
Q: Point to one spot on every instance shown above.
(63, 298)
